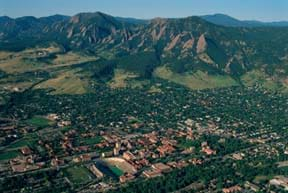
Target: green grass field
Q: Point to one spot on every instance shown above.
(8, 155)
(39, 122)
(66, 82)
(22, 143)
(117, 171)
(91, 141)
(197, 80)
(78, 175)
(120, 78)
(65, 129)
(63, 81)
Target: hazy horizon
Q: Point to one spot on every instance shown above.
(266, 12)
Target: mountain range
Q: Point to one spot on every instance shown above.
(168, 48)
(225, 20)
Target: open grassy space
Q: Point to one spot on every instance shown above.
(117, 171)
(4, 55)
(197, 80)
(22, 143)
(23, 61)
(71, 58)
(120, 78)
(65, 129)
(91, 141)
(260, 178)
(26, 60)
(8, 155)
(15, 64)
(255, 77)
(18, 65)
(39, 122)
(67, 82)
(78, 175)
(16, 85)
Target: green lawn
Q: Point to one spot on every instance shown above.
(93, 140)
(8, 155)
(22, 143)
(78, 175)
(196, 80)
(39, 122)
(65, 129)
(259, 179)
(118, 172)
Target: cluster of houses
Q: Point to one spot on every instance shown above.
(26, 162)
(142, 153)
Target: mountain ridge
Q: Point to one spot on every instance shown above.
(226, 20)
(217, 18)
(182, 46)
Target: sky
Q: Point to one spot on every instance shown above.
(264, 10)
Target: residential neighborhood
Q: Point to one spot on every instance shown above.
(101, 157)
